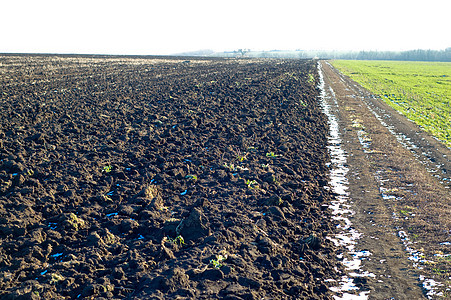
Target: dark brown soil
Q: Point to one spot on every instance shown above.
(162, 179)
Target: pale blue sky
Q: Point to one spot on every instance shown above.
(171, 26)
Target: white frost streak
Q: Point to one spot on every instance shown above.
(341, 207)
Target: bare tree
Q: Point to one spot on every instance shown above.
(241, 52)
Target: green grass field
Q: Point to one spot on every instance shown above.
(419, 90)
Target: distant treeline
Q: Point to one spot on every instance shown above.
(411, 55)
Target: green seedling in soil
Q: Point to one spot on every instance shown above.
(191, 177)
(107, 198)
(241, 158)
(178, 240)
(240, 168)
(75, 222)
(234, 168)
(311, 78)
(272, 155)
(439, 271)
(173, 220)
(252, 184)
(107, 169)
(231, 167)
(217, 263)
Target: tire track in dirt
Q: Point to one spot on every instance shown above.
(385, 177)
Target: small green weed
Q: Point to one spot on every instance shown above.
(217, 263)
(272, 155)
(241, 158)
(231, 167)
(107, 169)
(234, 168)
(107, 198)
(252, 184)
(191, 177)
(439, 271)
(178, 240)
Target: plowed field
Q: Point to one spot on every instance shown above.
(163, 179)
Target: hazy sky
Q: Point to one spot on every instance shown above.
(172, 26)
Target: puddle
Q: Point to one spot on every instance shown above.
(347, 236)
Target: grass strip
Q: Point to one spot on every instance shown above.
(419, 90)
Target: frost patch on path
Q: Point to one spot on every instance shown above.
(429, 285)
(340, 207)
(417, 257)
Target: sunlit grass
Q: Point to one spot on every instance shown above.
(419, 90)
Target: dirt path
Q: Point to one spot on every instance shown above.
(399, 191)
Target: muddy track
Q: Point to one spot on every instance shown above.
(398, 189)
